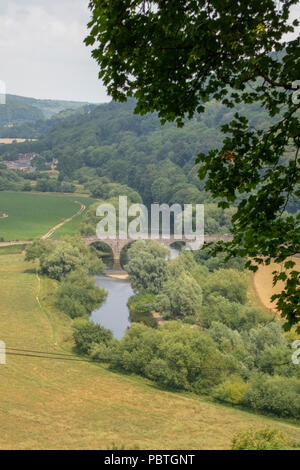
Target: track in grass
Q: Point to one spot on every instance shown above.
(31, 215)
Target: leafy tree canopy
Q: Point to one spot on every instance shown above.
(147, 267)
(87, 333)
(59, 259)
(77, 294)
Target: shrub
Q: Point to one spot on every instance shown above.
(230, 391)
(264, 439)
(232, 314)
(78, 296)
(277, 395)
(86, 334)
(228, 283)
(181, 296)
(174, 355)
(141, 307)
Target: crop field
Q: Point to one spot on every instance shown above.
(58, 404)
(24, 216)
(263, 283)
(10, 141)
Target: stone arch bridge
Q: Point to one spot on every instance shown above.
(117, 244)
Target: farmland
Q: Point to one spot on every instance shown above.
(31, 215)
(263, 283)
(54, 404)
(13, 140)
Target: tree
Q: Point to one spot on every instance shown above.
(228, 283)
(141, 307)
(233, 314)
(175, 55)
(27, 186)
(172, 355)
(59, 259)
(148, 246)
(147, 272)
(184, 262)
(77, 295)
(38, 249)
(203, 257)
(87, 333)
(147, 267)
(39, 162)
(180, 296)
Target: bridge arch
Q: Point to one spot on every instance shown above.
(103, 251)
(117, 244)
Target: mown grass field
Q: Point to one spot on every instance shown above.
(54, 404)
(31, 215)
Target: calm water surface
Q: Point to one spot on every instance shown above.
(114, 313)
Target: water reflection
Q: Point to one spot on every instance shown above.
(114, 313)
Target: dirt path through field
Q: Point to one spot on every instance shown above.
(53, 229)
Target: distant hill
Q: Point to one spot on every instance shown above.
(110, 141)
(19, 109)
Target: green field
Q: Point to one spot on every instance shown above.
(56, 404)
(31, 215)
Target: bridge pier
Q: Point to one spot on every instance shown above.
(117, 265)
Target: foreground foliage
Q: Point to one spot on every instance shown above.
(264, 439)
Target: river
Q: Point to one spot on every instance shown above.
(114, 313)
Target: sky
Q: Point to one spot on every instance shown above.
(42, 54)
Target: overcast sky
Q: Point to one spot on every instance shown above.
(42, 54)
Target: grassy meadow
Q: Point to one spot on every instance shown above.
(57, 404)
(31, 215)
